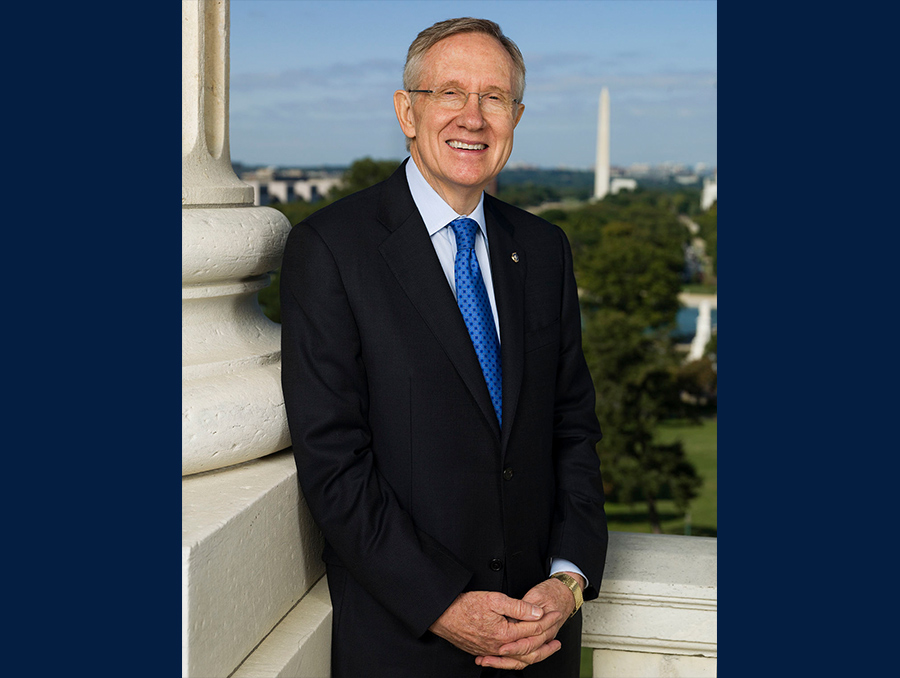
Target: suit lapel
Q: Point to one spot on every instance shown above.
(411, 257)
(508, 273)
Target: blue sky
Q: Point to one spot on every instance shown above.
(312, 80)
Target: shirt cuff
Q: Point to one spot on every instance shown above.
(562, 565)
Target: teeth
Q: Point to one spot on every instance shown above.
(467, 147)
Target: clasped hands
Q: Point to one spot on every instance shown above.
(504, 632)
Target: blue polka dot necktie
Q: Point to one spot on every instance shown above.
(471, 295)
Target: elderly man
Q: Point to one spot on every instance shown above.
(440, 408)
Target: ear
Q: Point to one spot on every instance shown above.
(519, 112)
(405, 116)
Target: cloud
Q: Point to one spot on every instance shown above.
(626, 82)
(367, 73)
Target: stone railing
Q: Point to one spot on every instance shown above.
(656, 613)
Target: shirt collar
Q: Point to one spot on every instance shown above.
(436, 213)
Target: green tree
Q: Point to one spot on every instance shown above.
(707, 222)
(697, 387)
(527, 195)
(637, 269)
(635, 377)
(629, 262)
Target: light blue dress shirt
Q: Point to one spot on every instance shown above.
(437, 214)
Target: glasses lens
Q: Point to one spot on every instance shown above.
(494, 102)
(455, 99)
(450, 98)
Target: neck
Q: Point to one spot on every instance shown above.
(462, 199)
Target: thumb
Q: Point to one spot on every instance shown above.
(518, 609)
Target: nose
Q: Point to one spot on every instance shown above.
(470, 115)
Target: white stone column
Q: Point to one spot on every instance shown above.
(232, 408)
(254, 599)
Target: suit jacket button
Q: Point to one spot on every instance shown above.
(496, 565)
(507, 473)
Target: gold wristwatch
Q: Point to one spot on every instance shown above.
(573, 586)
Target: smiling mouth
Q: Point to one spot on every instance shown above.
(466, 147)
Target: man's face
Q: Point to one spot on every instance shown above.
(459, 152)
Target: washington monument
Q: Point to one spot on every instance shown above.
(601, 172)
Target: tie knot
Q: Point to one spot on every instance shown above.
(464, 229)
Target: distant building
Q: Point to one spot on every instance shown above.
(638, 169)
(619, 183)
(686, 179)
(274, 185)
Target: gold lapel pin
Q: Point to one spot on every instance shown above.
(515, 257)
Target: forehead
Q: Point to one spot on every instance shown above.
(470, 59)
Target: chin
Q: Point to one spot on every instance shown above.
(470, 176)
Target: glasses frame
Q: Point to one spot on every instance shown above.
(480, 96)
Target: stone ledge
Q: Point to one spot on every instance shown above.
(299, 646)
(250, 551)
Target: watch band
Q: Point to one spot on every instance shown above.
(573, 586)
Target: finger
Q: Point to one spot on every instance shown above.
(542, 652)
(525, 637)
(505, 663)
(517, 663)
(524, 646)
(542, 630)
(520, 662)
(516, 609)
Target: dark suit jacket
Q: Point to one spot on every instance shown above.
(419, 494)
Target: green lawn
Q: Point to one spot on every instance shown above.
(700, 288)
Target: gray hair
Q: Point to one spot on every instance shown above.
(444, 29)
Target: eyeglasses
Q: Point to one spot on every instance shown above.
(455, 99)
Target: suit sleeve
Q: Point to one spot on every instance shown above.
(580, 532)
(326, 398)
